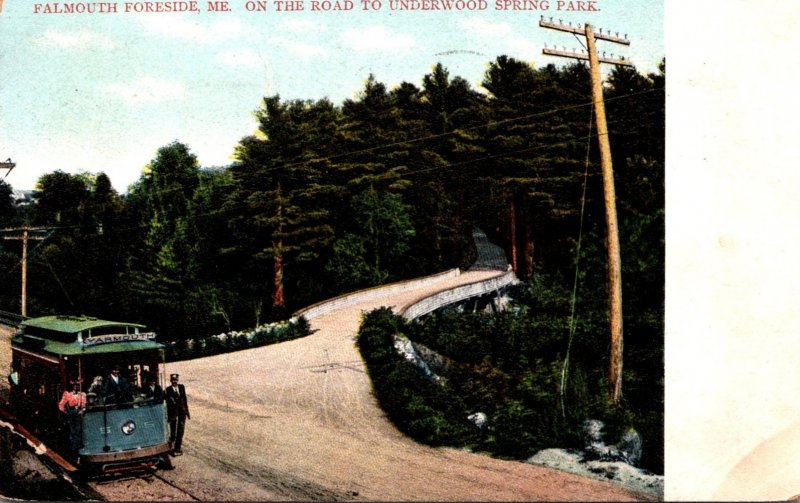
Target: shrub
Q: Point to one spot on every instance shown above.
(509, 366)
(234, 341)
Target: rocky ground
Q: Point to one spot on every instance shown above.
(298, 421)
(617, 472)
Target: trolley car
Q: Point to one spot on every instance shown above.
(118, 431)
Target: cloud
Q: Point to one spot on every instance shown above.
(75, 40)
(246, 58)
(483, 28)
(303, 26)
(147, 89)
(523, 48)
(185, 28)
(303, 50)
(377, 39)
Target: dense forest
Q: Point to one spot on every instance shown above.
(327, 198)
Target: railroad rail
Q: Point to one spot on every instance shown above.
(153, 484)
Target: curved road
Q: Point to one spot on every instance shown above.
(298, 421)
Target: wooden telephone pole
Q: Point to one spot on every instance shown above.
(8, 164)
(614, 262)
(24, 237)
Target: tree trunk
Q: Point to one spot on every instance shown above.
(528, 249)
(512, 217)
(277, 276)
(277, 261)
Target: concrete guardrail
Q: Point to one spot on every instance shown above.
(441, 299)
(351, 298)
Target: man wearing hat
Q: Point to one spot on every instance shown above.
(117, 388)
(177, 412)
(152, 389)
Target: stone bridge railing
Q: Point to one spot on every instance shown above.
(403, 286)
(441, 299)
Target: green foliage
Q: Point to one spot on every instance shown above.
(9, 276)
(510, 366)
(295, 201)
(386, 229)
(425, 410)
(61, 199)
(7, 210)
(348, 266)
(281, 188)
(164, 268)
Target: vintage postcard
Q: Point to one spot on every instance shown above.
(271, 207)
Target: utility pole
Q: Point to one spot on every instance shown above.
(614, 262)
(8, 164)
(24, 237)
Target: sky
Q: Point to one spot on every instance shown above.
(103, 91)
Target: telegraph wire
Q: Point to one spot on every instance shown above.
(470, 128)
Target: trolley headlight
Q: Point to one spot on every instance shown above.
(128, 427)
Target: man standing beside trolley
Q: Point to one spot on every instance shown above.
(177, 413)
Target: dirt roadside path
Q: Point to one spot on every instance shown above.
(297, 421)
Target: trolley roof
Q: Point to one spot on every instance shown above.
(76, 348)
(73, 324)
(71, 335)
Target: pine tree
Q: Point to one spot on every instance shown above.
(446, 188)
(282, 183)
(370, 133)
(535, 149)
(164, 264)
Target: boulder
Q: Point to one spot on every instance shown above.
(621, 473)
(479, 419)
(628, 450)
(405, 347)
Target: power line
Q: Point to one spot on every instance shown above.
(466, 129)
(480, 158)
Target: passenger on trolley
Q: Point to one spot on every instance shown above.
(117, 388)
(73, 404)
(152, 390)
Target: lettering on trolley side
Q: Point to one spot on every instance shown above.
(107, 338)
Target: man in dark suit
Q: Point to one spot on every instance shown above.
(177, 413)
(152, 389)
(117, 389)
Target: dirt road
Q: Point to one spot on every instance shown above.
(297, 421)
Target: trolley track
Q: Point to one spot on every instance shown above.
(173, 485)
(155, 486)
